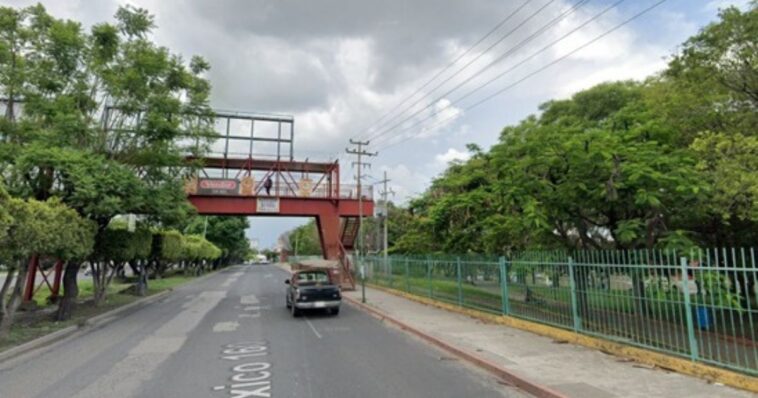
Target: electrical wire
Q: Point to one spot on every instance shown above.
(494, 62)
(543, 68)
(443, 70)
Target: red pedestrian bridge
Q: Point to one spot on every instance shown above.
(250, 170)
(295, 189)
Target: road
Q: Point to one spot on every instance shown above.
(229, 335)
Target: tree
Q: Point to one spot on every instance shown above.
(198, 252)
(166, 249)
(304, 240)
(114, 247)
(227, 233)
(101, 119)
(710, 93)
(38, 229)
(143, 241)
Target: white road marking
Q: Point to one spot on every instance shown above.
(225, 326)
(256, 315)
(218, 388)
(126, 377)
(232, 278)
(249, 300)
(313, 328)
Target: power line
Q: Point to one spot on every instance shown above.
(443, 70)
(552, 63)
(513, 67)
(469, 63)
(492, 63)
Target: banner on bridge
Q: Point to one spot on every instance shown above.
(268, 205)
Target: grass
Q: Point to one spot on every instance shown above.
(158, 285)
(444, 289)
(31, 325)
(549, 301)
(86, 291)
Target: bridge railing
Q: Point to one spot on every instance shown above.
(248, 186)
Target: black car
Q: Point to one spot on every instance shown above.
(312, 289)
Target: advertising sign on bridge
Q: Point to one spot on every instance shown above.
(218, 186)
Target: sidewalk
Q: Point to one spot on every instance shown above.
(572, 370)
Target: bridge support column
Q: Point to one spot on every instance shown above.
(328, 223)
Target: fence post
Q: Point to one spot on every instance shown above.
(391, 275)
(574, 310)
(504, 286)
(460, 285)
(407, 276)
(429, 267)
(688, 310)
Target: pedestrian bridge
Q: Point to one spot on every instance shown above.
(236, 178)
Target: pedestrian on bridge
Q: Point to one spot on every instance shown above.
(268, 184)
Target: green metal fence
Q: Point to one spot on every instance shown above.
(701, 306)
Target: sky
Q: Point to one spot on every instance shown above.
(353, 68)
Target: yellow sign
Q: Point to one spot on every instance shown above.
(190, 185)
(247, 186)
(305, 187)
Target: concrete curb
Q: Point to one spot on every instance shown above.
(38, 343)
(506, 375)
(89, 323)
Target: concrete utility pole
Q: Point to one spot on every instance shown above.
(297, 238)
(360, 152)
(385, 215)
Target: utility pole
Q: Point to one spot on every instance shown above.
(360, 152)
(297, 239)
(385, 216)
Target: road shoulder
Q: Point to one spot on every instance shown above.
(569, 369)
(83, 326)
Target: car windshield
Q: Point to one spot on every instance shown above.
(310, 278)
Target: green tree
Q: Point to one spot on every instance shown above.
(166, 250)
(304, 240)
(226, 232)
(197, 252)
(101, 119)
(38, 229)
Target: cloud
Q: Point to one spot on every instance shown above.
(452, 154)
(715, 5)
(336, 65)
(407, 182)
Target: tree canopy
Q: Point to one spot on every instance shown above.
(667, 162)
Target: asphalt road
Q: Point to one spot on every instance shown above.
(230, 335)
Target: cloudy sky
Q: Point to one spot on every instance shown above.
(353, 68)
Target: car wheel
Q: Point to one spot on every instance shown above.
(335, 311)
(295, 311)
